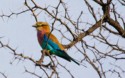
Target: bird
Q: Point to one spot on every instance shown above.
(49, 42)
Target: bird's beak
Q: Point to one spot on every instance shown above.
(34, 26)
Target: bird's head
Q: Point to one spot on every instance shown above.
(42, 26)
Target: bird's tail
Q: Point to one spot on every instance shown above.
(64, 55)
(74, 60)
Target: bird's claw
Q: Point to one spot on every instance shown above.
(47, 53)
(38, 63)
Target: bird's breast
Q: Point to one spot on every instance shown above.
(40, 36)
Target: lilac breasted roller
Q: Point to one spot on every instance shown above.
(49, 42)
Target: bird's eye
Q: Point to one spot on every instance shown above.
(44, 25)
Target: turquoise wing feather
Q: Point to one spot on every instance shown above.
(55, 49)
(48, 42)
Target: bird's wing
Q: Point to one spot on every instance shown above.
(54, 44)
(53, 39)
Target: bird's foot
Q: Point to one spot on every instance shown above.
(38, 63)
(47, 52)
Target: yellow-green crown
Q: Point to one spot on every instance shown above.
(39, 24)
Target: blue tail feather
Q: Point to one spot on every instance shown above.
(64, 55)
